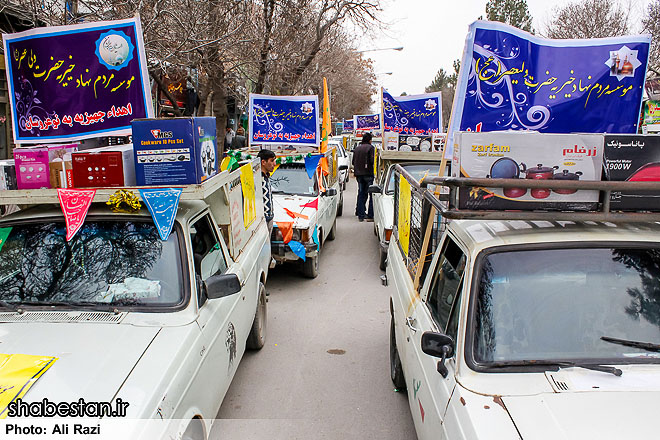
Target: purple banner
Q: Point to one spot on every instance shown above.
(367, 122)
(76, 82)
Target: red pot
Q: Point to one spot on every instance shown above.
(646, 173)
(565, 175)
(541, 173)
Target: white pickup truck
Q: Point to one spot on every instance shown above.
(169, 339)
(527, 325)
(418, 164)
(292, 189)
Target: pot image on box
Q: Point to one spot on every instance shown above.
(104, 167)
(528, 155)
(633, 158)
(174, 151)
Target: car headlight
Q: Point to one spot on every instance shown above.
(295, 235)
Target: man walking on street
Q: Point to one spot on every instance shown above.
(267, 158)
(363, 167)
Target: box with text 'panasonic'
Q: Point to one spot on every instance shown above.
(174, 151)
(104, 167)
(633, 158)
(528, 155)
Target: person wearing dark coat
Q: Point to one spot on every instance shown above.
(363, 167)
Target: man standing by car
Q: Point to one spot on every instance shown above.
(363, 166)
(267, 158)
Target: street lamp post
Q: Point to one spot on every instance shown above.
(399, 49)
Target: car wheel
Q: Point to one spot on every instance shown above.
(382, 257)
(396, 370)
(333, 232)
(311, 267)
(257, 337)
(340, 206)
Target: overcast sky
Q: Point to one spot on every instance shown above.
(432, 33)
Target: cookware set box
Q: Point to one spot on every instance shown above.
(635, 158)
(528, 155)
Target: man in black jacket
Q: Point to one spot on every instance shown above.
(363, 167)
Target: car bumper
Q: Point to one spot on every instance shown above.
(281, 252)
(384, 245)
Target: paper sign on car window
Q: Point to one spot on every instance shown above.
(18, 372)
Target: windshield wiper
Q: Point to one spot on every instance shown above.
(648, 346)
(10, 306)
(562, 364)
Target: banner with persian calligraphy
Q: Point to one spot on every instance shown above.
(284, 120)
(77, 82)
(349, 126)
(367, 122)
(412, 114)
(512, 80)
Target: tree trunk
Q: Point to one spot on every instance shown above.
(269, 10)
(175, 106)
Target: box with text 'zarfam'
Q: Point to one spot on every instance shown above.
(174, 151)
(528, 155)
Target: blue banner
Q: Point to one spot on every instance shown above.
(77, 82)
(367, 122)
(349, 125)
(284, 120)
(512, 80)
(162, 204)
(413, 114)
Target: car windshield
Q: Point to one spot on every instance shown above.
(557, 304)
(293, 179)
(416, 170)
(105, 263)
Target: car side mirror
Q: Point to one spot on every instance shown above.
(219, 286)
(342, 167)
(438, 345)
(375, 189)
(330, 192)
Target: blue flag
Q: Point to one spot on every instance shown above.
(315, 237)
(162, 204)
(311, 163)
(297, 248)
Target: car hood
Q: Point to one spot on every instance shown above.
(94, 359)
(294, 204)
(585, 415)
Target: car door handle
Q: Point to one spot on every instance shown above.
(410, 321)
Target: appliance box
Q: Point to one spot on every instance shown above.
(635, 158)
(415, 143)
(32, 164)
(104, 167)
(517, 154)
(7, 174)
(174, 151)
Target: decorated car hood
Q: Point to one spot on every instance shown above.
(94, 359)
(294, 204)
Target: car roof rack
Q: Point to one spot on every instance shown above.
(447, 204)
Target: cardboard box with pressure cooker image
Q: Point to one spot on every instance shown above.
(532, 155)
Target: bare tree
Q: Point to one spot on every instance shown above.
(589, 19)
(651, 23)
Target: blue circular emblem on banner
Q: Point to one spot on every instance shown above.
(114, 49)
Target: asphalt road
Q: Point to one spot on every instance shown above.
(324, 371)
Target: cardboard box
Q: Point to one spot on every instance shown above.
(174, 151)
(32, 164)
(531, 155)
(415, 143)
(61, 172)
(634, 158)
(7, 174)
(104, 167)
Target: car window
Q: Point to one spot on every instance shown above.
(293, 179)
(107, 262)
(416, 170)
(208, 257)
(557, 303)
(446, 283)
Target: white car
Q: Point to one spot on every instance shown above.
(383, 199)
(293, 188)
(529, 329)
(160, 325)
(343, 162)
